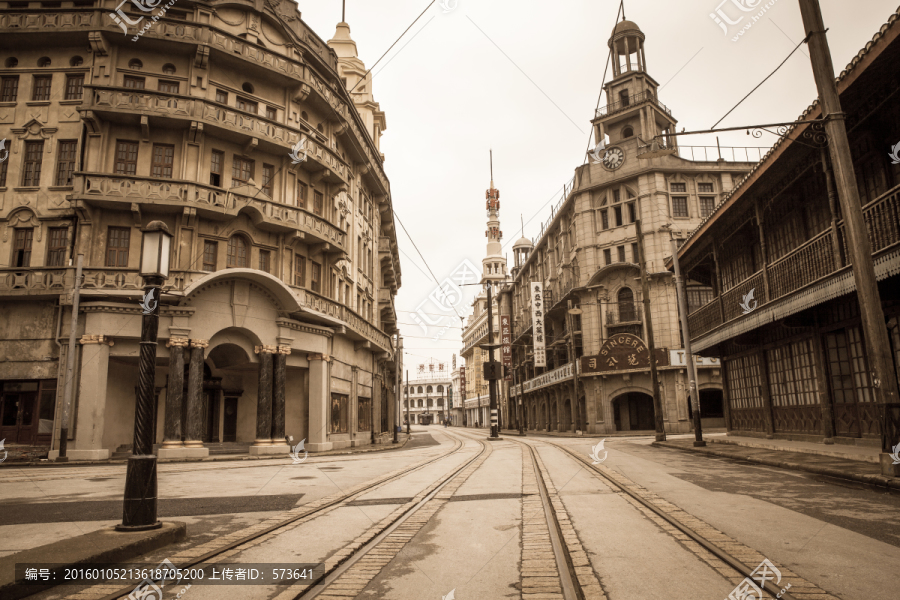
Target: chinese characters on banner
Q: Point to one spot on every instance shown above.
(506, 348)
(462, 384)
(537, 317)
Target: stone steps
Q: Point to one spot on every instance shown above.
(215, 449)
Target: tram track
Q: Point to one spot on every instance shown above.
(216, 551)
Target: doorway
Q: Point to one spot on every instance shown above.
(229, 429)
(634, 412)
(26, 411)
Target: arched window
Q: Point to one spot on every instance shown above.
(44, 61)
(627, 132)
(76, 61)
(237, 252)
(440, 389)
(12, 62)
(626, 306)
(169, 69)
(321, 128)
(429, 389)
(304, 115)
(135, 64)
(247, 87)
(420, 389)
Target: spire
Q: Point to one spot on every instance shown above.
(494, 265)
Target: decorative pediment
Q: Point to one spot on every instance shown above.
(34, 129)
(22, 218)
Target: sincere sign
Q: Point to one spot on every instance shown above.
(462, 384)
(537, 318)
(623, 352)
(506, 348)
(677, 359)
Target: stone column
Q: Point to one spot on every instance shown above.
(194, 417)
(174, 393)
(319, 402)
(264, 397)
(278, 394)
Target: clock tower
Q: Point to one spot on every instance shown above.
(633, 110)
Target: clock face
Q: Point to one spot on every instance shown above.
(614, 158)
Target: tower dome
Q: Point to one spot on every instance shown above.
(627, 45)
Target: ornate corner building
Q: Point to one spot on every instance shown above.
(587, 253)
(234, 124)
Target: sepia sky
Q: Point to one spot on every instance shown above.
(523, 77)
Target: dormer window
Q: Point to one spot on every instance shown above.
(627, 132)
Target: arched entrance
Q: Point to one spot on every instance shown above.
(581, 416)
(634, 412)
(566, 424)
(553, 420)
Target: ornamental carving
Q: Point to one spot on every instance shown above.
(178, 342)
(88, 340)
(265, 349)
(199, 343)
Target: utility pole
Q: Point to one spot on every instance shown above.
(884, 381)
(407, 404)
(521, 406)
(689, 355)
(492, 383)
(70, 365)
(398, 368)
(569, 323)
(651, 345)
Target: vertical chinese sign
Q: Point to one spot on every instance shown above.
(462, 386)
(537, 317)
(506, 348)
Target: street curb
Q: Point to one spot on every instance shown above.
(102, 546)
(876, 480)
(222, 458)
(872, 460)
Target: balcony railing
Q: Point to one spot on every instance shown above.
(749, 154)
(622, 315)
(102, 188)
(812, 261)
(615, 107)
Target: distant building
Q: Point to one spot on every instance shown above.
(588, 254)
(428, 398)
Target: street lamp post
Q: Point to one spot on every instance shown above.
(139, 506)
(398, 368)
(693, 386)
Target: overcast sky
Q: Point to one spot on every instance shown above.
(523, 77)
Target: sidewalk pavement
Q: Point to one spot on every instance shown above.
(856, 463)
(583, 434)
(402, 439)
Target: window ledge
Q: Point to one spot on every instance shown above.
(61, 188)
(8, 103)
(27, 189)
(70, 102)
(38, 103)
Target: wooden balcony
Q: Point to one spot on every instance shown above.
(120, 191)
(812, 263)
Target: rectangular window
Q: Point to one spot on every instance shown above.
(632, 214)
(604, 219)
(217, 160)
(22, 248)
(792, 374)
(707, 205)
(318, 203)
(679, 187)
(705, 188)
(74, 86)
(248, 105)
(41, 90)
(3, 173)
(635, 256)
(9, 89)
(163, 157)
(271, 113)
(31, 172)
(299, 271)
(268, 175)
(364, 414)
(621, 250)
(117, 241)
(616, 195)
(301, 194)
(236, 253)
(134, 83)
(126, 157)
(65, 162)
(848, 367)
(264, 260)
(618, 213)
(170, 87)
(679, 206)
(698, 297)
(607, 256)
(56, 247)
(340, 413)
(315, 277)
(241, 171)
(744, 382)
(222, 96)
(210, 255)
